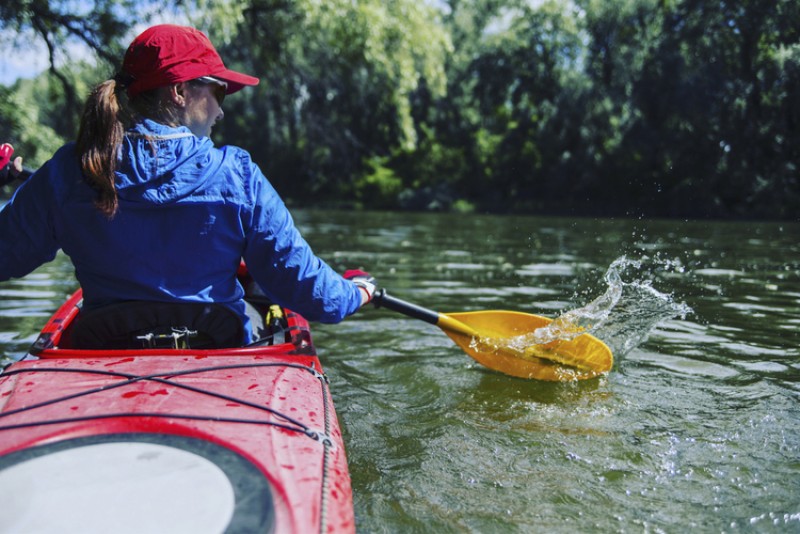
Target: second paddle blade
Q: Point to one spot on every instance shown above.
(561, 360)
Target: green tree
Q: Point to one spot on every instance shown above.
(632, 107)
(41, 114)
(337, 81)
(717, 103)
(514, 88)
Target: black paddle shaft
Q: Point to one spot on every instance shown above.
(383, 299)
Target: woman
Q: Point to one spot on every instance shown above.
(148, 209)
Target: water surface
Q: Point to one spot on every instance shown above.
(696, 428)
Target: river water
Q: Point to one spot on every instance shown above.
(696, 428)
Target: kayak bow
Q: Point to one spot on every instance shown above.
(171, 440)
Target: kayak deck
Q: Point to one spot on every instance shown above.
(257, 423)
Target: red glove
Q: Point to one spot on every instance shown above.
(363, 280)
(6, 176)
(6, 151)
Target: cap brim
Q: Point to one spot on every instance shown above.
(235, 80)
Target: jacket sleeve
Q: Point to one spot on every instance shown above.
(284, 265)
(27, 236)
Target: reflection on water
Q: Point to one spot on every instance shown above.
(696, 428)
(26, 304)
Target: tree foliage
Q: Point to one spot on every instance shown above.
(337, 79)
(596, 107)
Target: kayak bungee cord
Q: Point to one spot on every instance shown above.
(160, 378)
(328, 445)
(133, 378)
(310, 433)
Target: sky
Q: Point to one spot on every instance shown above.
(25, 56)
(23, 62)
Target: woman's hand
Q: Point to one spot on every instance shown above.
(365, 282)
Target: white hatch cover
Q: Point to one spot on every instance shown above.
(154, 484)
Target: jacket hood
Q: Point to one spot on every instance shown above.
(160, 164)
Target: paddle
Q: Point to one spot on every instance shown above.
(486, 336)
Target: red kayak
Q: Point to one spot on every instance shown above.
(171, 440)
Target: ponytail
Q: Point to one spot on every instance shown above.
(100, 136)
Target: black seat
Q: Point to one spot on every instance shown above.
(144, 324)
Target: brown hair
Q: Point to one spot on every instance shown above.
(106, 115)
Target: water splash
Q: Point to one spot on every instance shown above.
(624, 315)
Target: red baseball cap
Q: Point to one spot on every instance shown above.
(166, 54)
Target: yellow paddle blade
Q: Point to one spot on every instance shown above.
(486, 338)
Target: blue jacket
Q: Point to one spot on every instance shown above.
(188, 213)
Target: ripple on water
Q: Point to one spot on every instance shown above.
(730, 273)
(689, 366)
